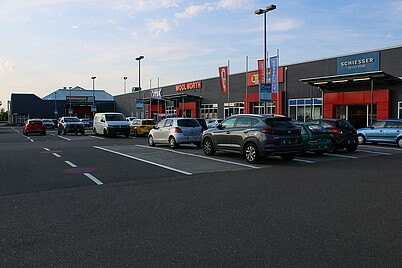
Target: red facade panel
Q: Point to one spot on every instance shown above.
(356, 97)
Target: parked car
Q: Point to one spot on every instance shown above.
(343, 135)
(49, 123)
(111, 124)
(55, 122)
(141, 126)
(175, 131)
(315, 138)
(70, 124)
(211, 123)
(255, 136)
(387, 130)
(203, 123)
(34, 126)
(87, 122)
(130, 118)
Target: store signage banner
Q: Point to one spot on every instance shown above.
(261, 68)
(273, 64)
(156, 94)
(360, 63)
(223, 75)
(253, 77)
(76, 99)
(140, 104)
(265, 92)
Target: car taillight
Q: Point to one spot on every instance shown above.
(270, 131)
(178, 130)
(337, 131)
(313, 140)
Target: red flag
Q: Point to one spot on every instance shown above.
(223, 75)
(261, 67)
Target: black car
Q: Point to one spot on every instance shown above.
(203, 123)
(343, 135)
(255, 136)
(70, 125)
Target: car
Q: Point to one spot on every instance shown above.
(130, 118)
(255, 136)
(175, 131)
(141, 126)
(386, 130)
(70, 124)
(55, 122)
(49, 123)
(343, 135)
(111, 124)
(34, 126)
(315, 138)
(203, 123)
(214, 122)
(87, 122)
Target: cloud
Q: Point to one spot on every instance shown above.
(234, 4)
(6, 66)
(75, 27)
(157, 26)
(284, 25)
(191, 11)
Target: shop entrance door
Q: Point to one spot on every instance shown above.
(357, 115)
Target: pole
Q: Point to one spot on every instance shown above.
(228, 88)
(150, 100)
(372, 98)
(159, 112)
(246, 104)
(139, 83)
(265, 56)
(277, 80)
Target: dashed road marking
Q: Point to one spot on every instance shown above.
(71, 164)
(96, 137)
(93, 178)
(57, 155)
(340, 155)
(371, 152)
(64, 138)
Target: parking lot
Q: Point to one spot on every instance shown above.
(118, 200)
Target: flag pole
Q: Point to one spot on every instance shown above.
(228, 87)
(277, 80)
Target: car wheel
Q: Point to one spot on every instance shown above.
(64, 131)
(172, 143)
(333, 148)
(44, 133)
(208, 147)
(198, 144)
(151, 141)
(288, 157)
(58, 131)
(251, 153)
(135, 133)
(83, 132)
(351, 148)
(399, 142)
(105, 133)
(361, 139)
(96, 133)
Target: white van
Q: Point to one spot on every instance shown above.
(111, 124)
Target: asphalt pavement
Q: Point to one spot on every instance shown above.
(154, 207)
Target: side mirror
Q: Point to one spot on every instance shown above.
(103, 120)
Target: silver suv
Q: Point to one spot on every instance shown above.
(255, 136)
(68, 124)
(175, 131)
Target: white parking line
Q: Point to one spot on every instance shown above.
(96, 137)
(380, 147)
(57, 155)
(340, 155)
(143, 160)
(303, 160)
(46, 149)
(94, 179)
(200, 156)
(374, 152)
(71, 164)
(64, 138)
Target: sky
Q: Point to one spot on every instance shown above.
(50, 44)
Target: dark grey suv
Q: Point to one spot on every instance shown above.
(255, 136)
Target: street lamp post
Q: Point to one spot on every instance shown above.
(93, 95)
(259, 12)
(125, 80)
(139, 77)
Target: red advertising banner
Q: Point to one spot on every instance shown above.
(253, 77)
(223, 75)
(261, 68)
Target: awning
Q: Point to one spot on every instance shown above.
(179, 97)
(347, 80)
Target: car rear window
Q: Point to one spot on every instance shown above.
(317, 129)
(343, 124)
(279, 122)
(35, 122)
(148, 122)
(71, 120)
(187, 123)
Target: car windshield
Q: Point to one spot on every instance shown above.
(71, 119)
(279, 122)
(187, 123)
(148, 122)
(115, 117)
(317, 129)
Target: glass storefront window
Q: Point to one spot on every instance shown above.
(400, 110)
(258, 107)
(209, 110)
(305, 109)
(233, 108)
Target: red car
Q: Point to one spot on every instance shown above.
(34, 126)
